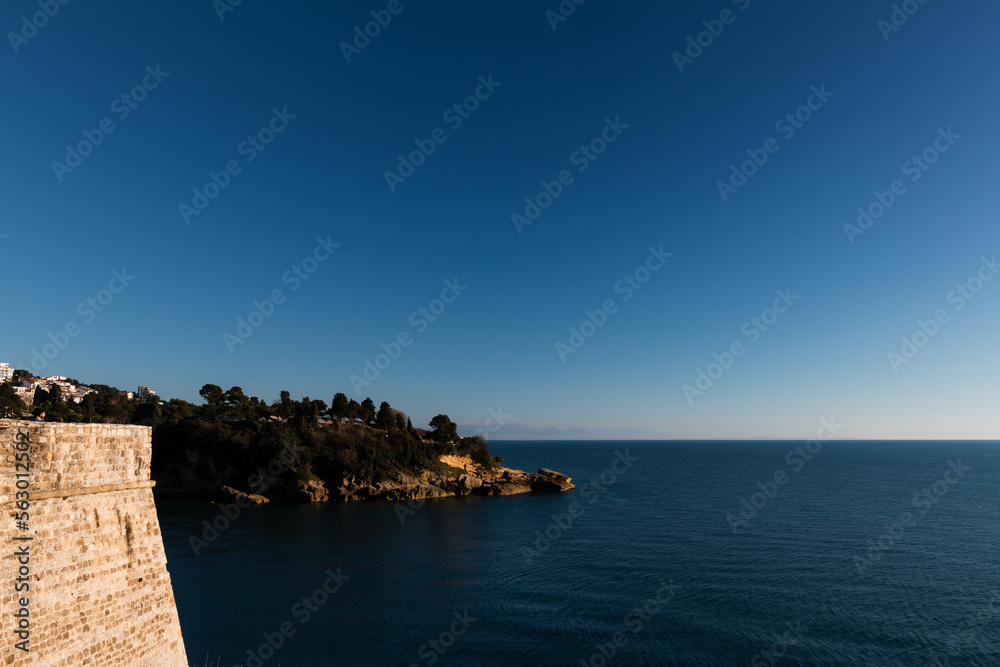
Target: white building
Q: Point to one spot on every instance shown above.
(69, 392)
(145, 393)
(77, 394)
(6, 373)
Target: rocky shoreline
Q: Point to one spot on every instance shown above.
(461, 477)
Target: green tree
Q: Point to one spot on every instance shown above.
(367, 411)
(237, 403)
(339, 406)
(214, 399)
(177, 411)
(259, 409)
(303, 412)
(88, 407)
(385, 419)
(41, 397)
(308, 412)
(353, 410)
(286, 408)
(111, 406)
(58, 411)
(445, 430)
(148, 414)
(478, 450)
(11, 404)
(401, 422)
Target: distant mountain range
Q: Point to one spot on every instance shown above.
(522, 432)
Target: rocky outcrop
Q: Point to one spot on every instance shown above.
(464, 478)
(244, 499)
(313, 491)
(550, 481)
(467, 483)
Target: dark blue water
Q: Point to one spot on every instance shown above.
(858, 554)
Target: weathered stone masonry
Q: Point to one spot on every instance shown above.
(100, 592)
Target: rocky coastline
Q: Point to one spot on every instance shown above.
(459, 476)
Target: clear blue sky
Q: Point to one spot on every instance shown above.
(494, 346)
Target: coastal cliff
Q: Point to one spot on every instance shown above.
(459, 476)
(255, 464)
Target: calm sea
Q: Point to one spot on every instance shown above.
(672, 553)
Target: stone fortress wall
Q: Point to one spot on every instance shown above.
(83, 576)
